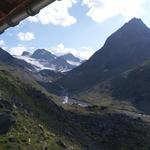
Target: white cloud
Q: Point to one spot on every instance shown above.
(101, 10)
(83, 52)
(57, 13)
(2, 43)
(17, 50)
(32, 19)
(28, 36)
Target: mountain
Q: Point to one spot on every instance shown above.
(43, 54)
(43, 59)
(123, 50)
(71, 59)
(5, 56)
(133, 86)
(60, 64)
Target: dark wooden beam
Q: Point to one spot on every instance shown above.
(5, 6)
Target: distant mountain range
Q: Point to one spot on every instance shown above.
(43, 59)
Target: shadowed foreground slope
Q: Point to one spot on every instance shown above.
(38, 122)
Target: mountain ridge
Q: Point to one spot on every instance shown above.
(44, 59)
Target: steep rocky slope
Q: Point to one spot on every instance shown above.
(123, 50)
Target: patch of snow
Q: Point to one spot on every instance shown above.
(73, 63)
(40, 64)
(36, 63)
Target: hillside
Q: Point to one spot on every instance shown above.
(6, 58)
(133, 86)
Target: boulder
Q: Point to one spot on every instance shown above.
(6, 122)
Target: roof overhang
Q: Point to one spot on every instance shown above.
(14, 11)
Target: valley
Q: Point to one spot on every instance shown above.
(102, 104)
(72, 101)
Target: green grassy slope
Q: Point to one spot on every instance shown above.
(33, 112)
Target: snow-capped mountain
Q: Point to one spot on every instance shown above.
(43, 54)
(43, 59)
(71, 59)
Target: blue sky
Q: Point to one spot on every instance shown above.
(77, 26)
